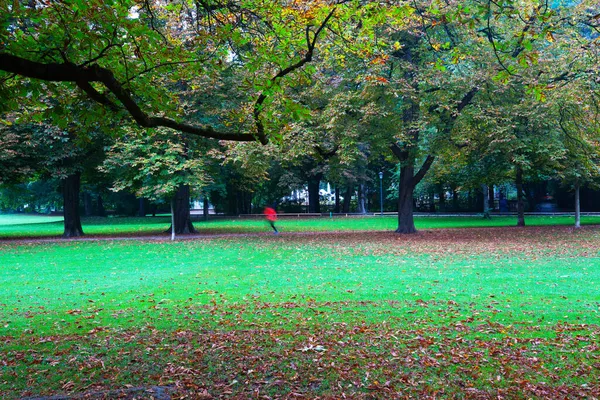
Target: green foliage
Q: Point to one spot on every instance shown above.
(154, 164)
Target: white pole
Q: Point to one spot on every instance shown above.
(173, 219)
(577, 207)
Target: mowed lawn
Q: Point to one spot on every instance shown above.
(23, 226)
(475, 313)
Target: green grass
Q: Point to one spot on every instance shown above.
(501, 311)
(34, 226)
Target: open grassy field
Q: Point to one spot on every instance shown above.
(472, 313)
(14, 226)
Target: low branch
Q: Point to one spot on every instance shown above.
(83, 75)
(423, 170)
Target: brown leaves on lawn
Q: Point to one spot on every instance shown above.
(486, 360)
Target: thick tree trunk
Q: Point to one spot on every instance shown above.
(347, 199)
(314, 205)
(406, 188)
(455, 205)
(101, 211)
(442, 195)
(70, 186)
(491, 203)
(486, 201)
(577, 207)
(362, 208)
(520, 203)
(205, 208)
(336, 209)
(142, 207)
(87, 203)
(181, 214)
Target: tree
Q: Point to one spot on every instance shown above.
(96, 50)
(159, 166)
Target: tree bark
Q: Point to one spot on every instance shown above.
(577, 207)
(432, 201)
(442, 195)
(101, 210)
(347, 199)
(491, 203)
(314, 204)
(142, 207)
(87, 203)
(205, 208)
(72, 221)
(520, 203)
(362, 208)
(181, 213)
(455, 205)
(486, 201)
(336, 208)
(406, 188)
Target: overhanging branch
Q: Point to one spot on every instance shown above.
(85, 74)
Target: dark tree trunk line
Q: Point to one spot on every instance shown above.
(361, 203)
(314, 203)
(577, 206)
(72, 221)
(181, 206)
(205, 208)
(520, 202)
(336, 209)
(347, 198)
(406, 223)
(406, 187)
(87, 203)
(101, 211)
(142, 207)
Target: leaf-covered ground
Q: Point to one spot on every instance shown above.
(29, 226)
(475, 313)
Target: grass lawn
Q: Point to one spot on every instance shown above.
(475, 313)
(41, 226)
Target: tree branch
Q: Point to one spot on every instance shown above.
(83, 75)
(424, 168)
(258, 105)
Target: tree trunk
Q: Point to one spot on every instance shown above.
(442, 199)
(432, 201)
(142, 208)
(347, 199)
(406, 188)
(455, 205)
(101, 211)
(486, 201)
(336, 209)
(362, 209)
(87, 203)
(577, 207)
(314, 205)
(520, 203)
(72, 221)
(491, 203)
(205, 208)
(181, 214)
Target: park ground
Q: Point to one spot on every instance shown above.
(329, 308)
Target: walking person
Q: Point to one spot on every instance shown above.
(271, 216)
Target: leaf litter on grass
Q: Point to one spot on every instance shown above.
(434, 341)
